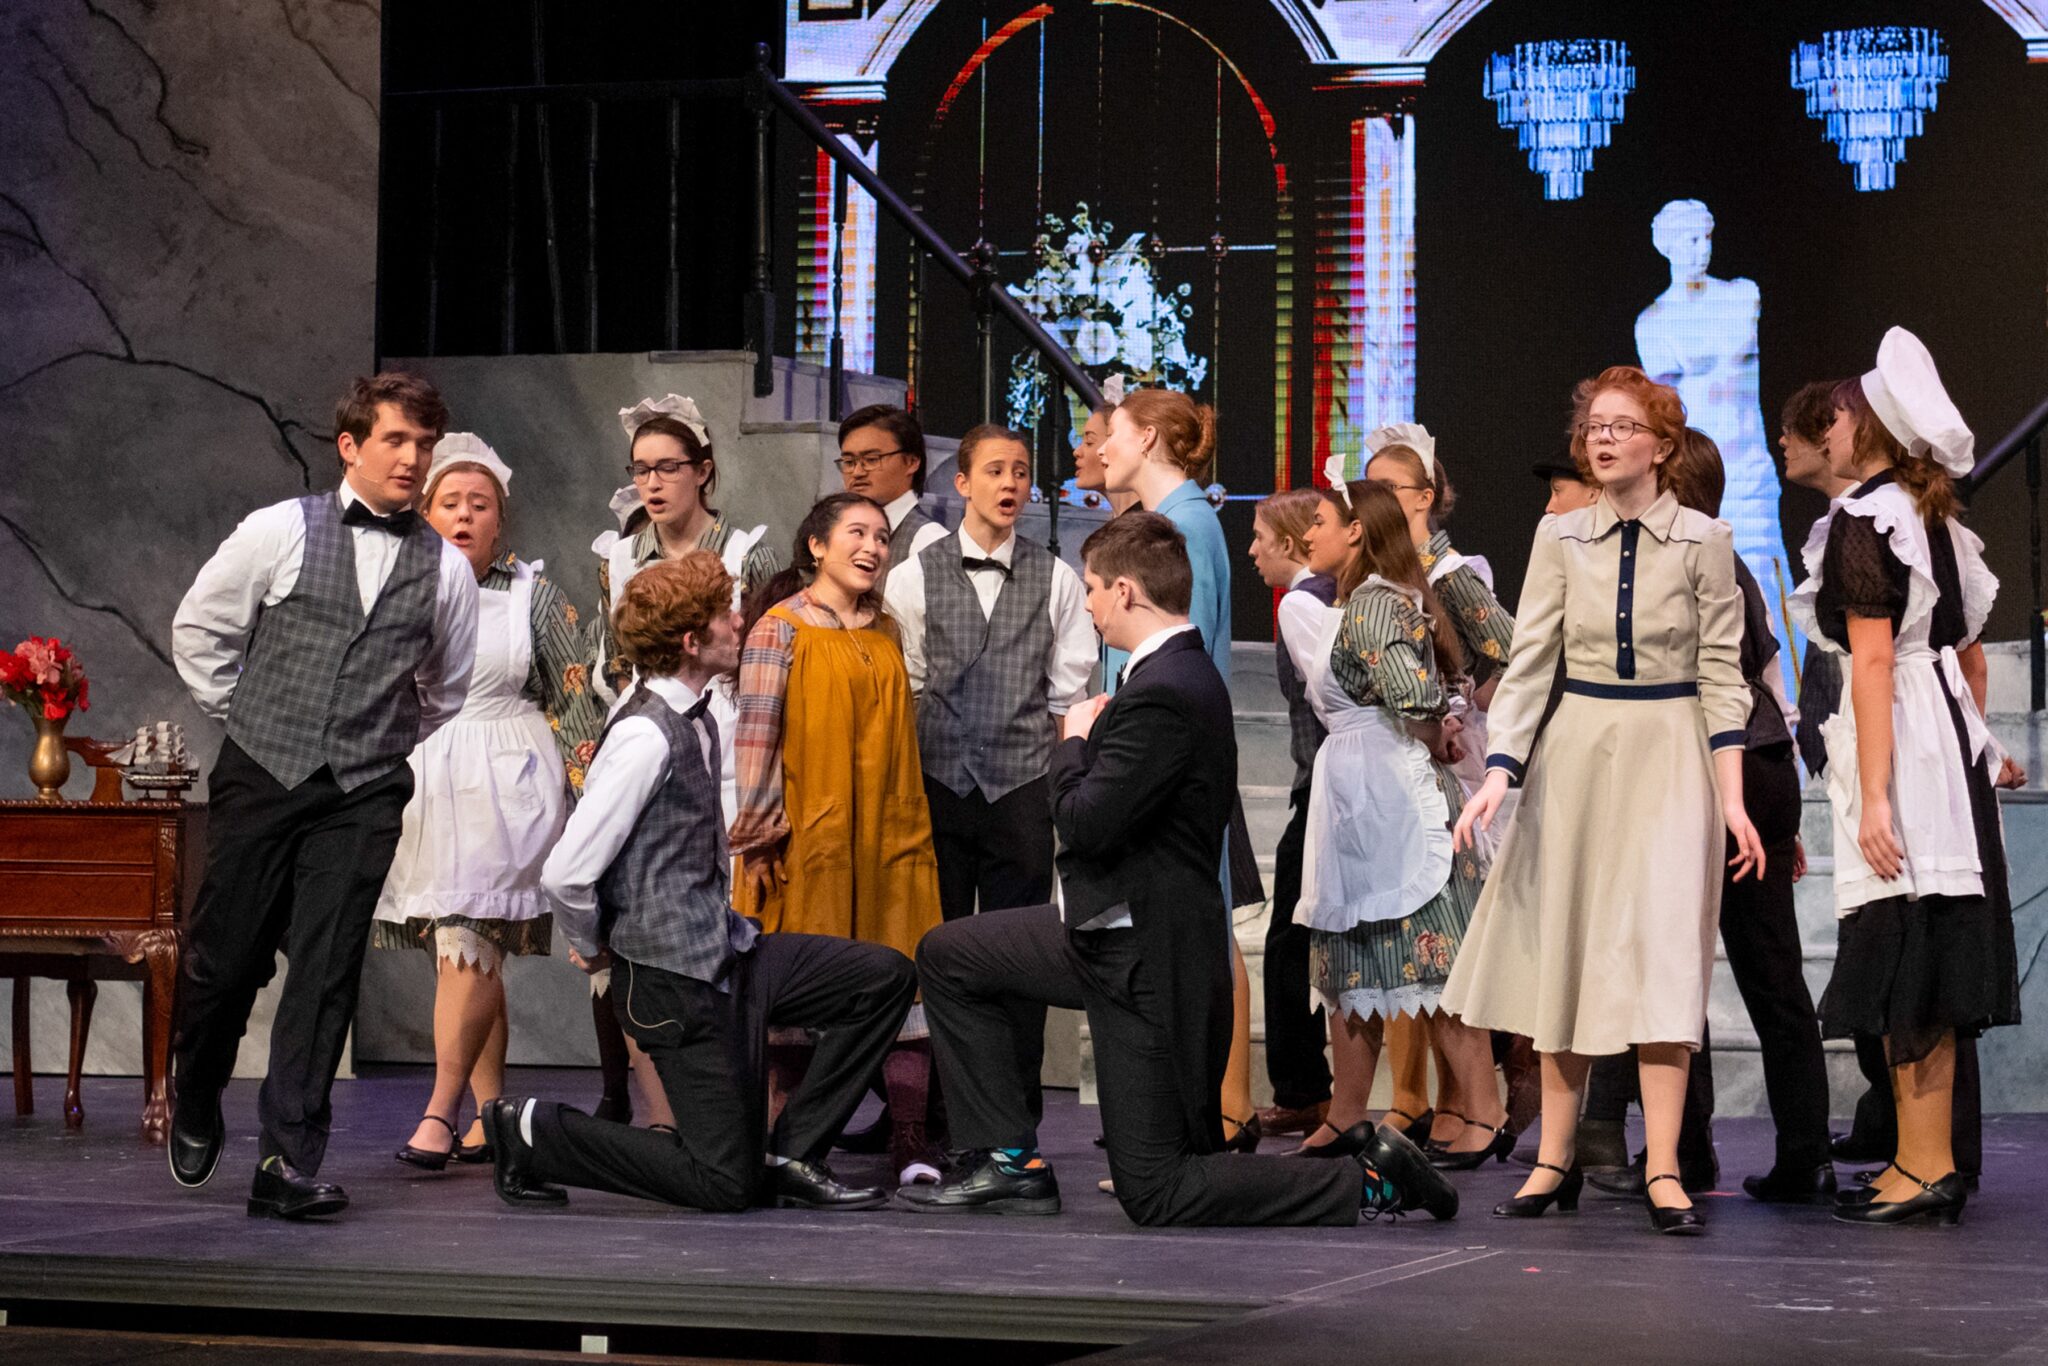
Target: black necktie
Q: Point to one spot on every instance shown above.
(971, 565)
(398, 523)
(697, 712)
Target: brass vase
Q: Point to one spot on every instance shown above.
(49, 763)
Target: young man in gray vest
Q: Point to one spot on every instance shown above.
(881, 456)
(998, 644)
(641, 881)
(333, 633)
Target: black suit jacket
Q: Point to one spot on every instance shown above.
(1140, 806)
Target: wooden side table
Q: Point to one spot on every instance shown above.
(98, 892)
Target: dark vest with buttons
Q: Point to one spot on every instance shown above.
(665, 901)
(323, 685)
(982, 721)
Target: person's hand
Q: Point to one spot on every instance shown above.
(594, 964)
(1878, 843)
(1480, 809)
(2011, 774)
(1749, 848)
(762, 874)
(1080, 719)
(1798, 858)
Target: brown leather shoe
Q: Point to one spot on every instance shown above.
(1279, 1119)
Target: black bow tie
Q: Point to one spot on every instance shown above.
(695, 711)
(971, 565)
(398, 523)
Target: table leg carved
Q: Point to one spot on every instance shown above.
(24, 1079)
(160, 953)
(82, 994)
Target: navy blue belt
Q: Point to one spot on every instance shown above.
(1632, 692)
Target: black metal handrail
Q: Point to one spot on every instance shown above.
(2026, 437)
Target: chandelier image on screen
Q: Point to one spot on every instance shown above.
(1872, 89)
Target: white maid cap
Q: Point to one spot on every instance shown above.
(467, 448)
(1908, 397)
(683, 410)
(1333, 471)
(1413, 435)
(625, 505)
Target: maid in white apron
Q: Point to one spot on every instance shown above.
(663, 513)
(1924, 912)
(491, 791)
(1384, 897)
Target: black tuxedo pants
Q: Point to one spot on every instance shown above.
(706, 1044)
(976, 972)
(997, 852)
(1295, 1031)
(298, 868)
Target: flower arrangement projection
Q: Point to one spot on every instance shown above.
(1106, 305)
(1563, 97)
(1872, 89)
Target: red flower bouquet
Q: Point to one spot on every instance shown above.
(44, 678)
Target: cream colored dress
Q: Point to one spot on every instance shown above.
(1596, 927)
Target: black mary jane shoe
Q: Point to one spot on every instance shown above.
(281, 1191)
(1502, 1143)
(1941, 1201)
(1565, 1195)
(1246, 1139)
(512, 1156)
(1781, 1187)
(1414, 1128)
(1350, 1143)
(427, 1159)
(1430, 1144)
(1664, 1219)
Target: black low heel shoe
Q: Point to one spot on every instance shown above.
(1246, 1139)
(1679, 1221)
(1940, 1200)
(1349, 1143)
(426, 1159)
(1445, 1160)
(1565, 1195)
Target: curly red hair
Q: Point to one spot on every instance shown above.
(665, 602)
(1662, 408)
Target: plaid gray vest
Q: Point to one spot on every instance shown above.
(982, 720)
(666, 900)
(325, 686)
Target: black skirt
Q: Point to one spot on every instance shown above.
(1916, 970)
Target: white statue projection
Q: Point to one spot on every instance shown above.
(1700, 338)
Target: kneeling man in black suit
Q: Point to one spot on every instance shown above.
(1142, 788)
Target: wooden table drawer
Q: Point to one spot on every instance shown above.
(60, 838)
(46, 895)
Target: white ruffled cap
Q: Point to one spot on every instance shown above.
(1908, 397)
(1333, 473)
(683, 410)
(624, 504)
(1413, 435)
(467, 448)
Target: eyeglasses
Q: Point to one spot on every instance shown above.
(864, 463)
(1621, 429)
(1411, 488)
(667, 469)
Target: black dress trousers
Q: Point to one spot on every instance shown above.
(997, 851)
(706, 1044)
(299, 868)
(975, 970)
(1295, 1032)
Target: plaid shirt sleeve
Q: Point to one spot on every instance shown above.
(757, 736)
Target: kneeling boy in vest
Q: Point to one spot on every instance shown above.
(641, 884)
(997, 641)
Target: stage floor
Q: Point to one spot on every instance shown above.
(94, 1219)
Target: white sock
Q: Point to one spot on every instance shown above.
(526, 1120)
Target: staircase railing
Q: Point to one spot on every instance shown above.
(2026, 437)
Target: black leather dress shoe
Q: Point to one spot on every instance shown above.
(1781, 1187)
(1394, 1156)
(282, 1191)
(195, 1144)
(1941, 1201)
(989, 1182)
(510, 1155)
(811, 1185)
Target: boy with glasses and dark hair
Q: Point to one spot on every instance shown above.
(881, 456)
